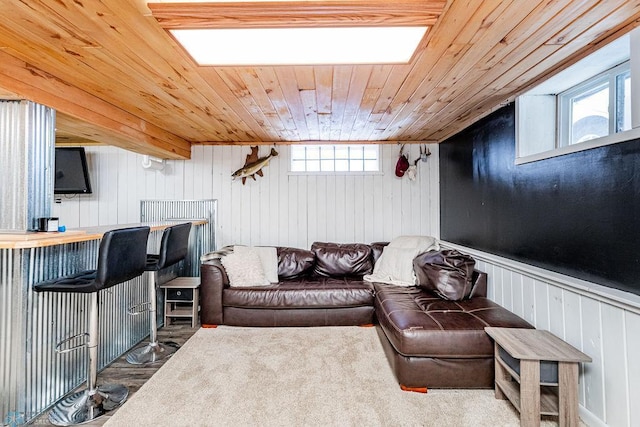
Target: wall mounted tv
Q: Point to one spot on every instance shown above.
(71, 171)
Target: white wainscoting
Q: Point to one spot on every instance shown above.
(278, 209)
(602, 322)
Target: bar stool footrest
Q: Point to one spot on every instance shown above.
(151, 352)
(137, 309)
(60, 350)
(82, 407)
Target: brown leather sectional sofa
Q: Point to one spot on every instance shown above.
(429, 341)
(318, 287)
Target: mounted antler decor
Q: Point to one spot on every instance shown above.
(412, 172)
(424, 154)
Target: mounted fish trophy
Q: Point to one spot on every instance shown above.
(253, 165)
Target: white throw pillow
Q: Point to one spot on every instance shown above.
(244, 270)
(268, 259)
(395, 266)
(423, 243)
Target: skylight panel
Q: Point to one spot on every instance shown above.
(301, 46)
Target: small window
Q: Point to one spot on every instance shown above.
(596, 108)
(584, 106)
(335, 158)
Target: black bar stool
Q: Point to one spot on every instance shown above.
(121, 257)
(173, 248)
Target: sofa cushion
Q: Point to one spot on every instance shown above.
(320, 292)
(376, 250)
(448, 273)
(294, 263)
(419, 323)
(342, 259)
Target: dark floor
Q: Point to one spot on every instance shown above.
(133, 376)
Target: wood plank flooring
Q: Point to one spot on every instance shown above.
(133, 376)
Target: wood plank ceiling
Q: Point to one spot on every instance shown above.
(115, 76)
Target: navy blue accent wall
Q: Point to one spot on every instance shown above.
(577, 214)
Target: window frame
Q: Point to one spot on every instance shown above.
(608, 78)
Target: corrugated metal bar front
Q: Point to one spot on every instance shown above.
(41, 124)
(27, 132)
(12, 150)
(11, 348)
(203, 238)
(32, 375)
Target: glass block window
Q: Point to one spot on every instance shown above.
(335, 158)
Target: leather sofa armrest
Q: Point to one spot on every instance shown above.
(213, 279)
(479, 284)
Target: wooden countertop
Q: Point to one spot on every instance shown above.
(37, 239)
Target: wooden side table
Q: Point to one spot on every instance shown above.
(181, 299)
(522, 386)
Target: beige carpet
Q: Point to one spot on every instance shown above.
(330, 376)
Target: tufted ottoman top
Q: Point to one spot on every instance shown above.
(419, 323)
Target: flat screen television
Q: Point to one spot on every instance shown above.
(71, 171)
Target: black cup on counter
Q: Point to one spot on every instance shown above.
(48, 224)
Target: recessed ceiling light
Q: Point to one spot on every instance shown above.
(301, 46)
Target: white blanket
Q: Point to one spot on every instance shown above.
(395, 265)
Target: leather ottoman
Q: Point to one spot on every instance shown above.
(437, 343)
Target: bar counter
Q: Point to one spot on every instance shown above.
(32, 375)
(39, 239)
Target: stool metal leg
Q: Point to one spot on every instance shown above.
(94, 401)
(154, 350)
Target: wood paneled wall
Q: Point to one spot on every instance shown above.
(278, 209)
(601, 322)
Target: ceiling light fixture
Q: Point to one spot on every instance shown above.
(299, 33)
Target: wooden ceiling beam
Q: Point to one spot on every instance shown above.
(297, 14)
(6, 95)
(130, 132)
